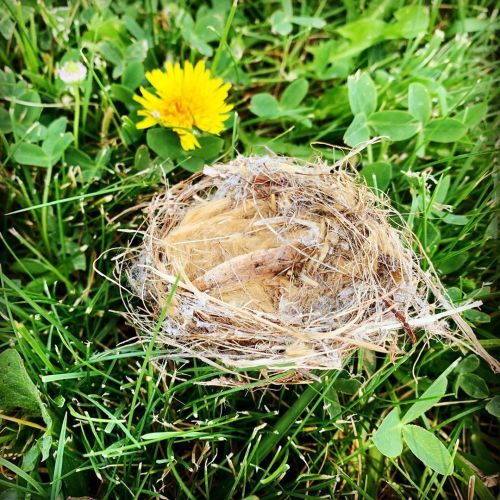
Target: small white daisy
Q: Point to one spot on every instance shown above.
(72, 72)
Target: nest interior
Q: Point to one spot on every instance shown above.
(280, 265)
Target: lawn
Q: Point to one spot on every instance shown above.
(83, 411)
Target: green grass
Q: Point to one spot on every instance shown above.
(102, 423)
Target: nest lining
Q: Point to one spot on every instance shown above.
(280, 264)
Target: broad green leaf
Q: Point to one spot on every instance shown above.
(456, 220)
(397, 125)
(442, 96)
(297, 116)
(294, 94)
(123, 94)
(133, 75)
(362, 94)
(452, 263)
(210, 148)
(57, 127)
(31, 154)
(55, 145)
(472, 116)
(333, 406)
(17, 391)
(166, 145)
(111, 52)
(427, 400)
(441, 191)
(77, 262)
(347, 385)
(428, 448)
(411, 21)
(30, 460)
(430, 397)
(77, 158)
(444, 130)
(455, 295)
(5, 123)
(332, 103)
(164, 142)
(110, 28)
(280, 23)
(387, 439)
(142, 159)
(357, 132)
(264, 105)
(420, 145)
(191, 34)
(378, 175)
(129, 131)
(473, 385)
(136, 52)
(472, 24)
(25, 115)
(103, 157)
(477, 316)
(321, 56)
(433, 235)
(133, 27)
(468, 364)
(279, 146)
(419, 102)
(192, 164)
(493, 406)
(8, 86)
(210, 21)
(484, 291)
(328, 63)
(6, 25)
(309, 22)
(31, 266)
(287, 7)
(363, 33)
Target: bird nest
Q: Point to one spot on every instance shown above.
(272, 263)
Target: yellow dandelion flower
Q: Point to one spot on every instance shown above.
(187, 100)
